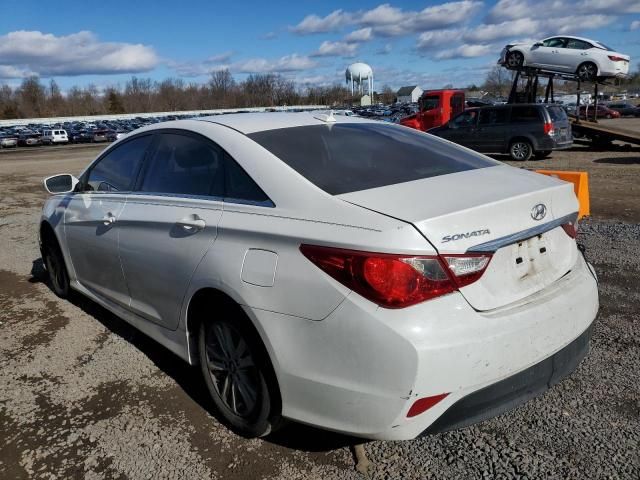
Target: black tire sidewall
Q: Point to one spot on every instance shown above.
(259, 424)
(52, 251)
(517, 55)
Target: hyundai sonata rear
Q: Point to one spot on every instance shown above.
(357, 276)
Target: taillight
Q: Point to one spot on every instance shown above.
(615, 58)
(397, 281)
(548, 128)
(570, 229)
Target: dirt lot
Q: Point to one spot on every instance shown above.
(83, 395)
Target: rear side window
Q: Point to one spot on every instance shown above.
(239, 185)
(349, 157)
(492, 116)
(557, 114)
(524, 114)
(184, 165)
(578, 44)
(116, 171)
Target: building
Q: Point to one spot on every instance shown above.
(409, 94)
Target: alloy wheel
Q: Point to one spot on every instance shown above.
(520, 151)
(587, 71)
(232, 369)
(514, 59)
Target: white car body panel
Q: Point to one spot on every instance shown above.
(567, 60)
(342, 362)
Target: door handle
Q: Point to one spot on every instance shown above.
(109, 219)
(192, 223)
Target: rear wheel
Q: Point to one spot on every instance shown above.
(56, 268)
(514, 59)
(520, 150)
(236, 372)
(587, 71)
(540, 154)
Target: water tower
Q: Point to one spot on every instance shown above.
(360, 75)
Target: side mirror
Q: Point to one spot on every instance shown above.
(538, 44)
(64, 183)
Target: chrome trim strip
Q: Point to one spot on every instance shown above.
(493, 245)
(210, 198)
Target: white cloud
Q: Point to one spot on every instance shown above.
(437, 38)
(550, 9)
(336, 49)
(465, 51)
(79, 53)
(220, 58)
(288, 63)
(362, 35)
(487, 33)
(385, 50)
(383, 15)
(635, 25)
(316, 24)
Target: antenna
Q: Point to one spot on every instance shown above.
(325, 117)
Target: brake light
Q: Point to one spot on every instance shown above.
(615, 58)
(570, 229)
(397, 281)
(548, 128)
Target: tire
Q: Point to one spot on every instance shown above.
(587, 71)
(520, 150)
(56, 268)
(540, 154)
(514, 59)
(235, 367)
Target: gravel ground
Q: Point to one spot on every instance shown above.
(83, 395)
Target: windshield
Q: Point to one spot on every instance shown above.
(602, 45)
(343, 158)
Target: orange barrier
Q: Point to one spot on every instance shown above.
(580, 182)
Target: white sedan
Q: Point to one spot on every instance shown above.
(588, 59)
(355, 275)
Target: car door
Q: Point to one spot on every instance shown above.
(91, 219)
(576, 52)
(461, 129)
(490, 134)
(170, 221)
(549, 54)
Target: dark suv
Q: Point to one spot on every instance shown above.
(519, 130)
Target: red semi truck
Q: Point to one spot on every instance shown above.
(437, 107)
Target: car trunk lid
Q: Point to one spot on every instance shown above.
(513, 213)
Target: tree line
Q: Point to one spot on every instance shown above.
(33, 98)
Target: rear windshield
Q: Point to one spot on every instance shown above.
(343, 158)
(557, 114)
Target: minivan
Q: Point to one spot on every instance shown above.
(522, 131)
(54, 136)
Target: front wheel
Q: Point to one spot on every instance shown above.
(234, 370)
(514, 59)
(56, 269)
(520, 150)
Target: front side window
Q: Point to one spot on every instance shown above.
(116, 171)
(555, 42)
(466, 119)
(184, 165)
(348, 157)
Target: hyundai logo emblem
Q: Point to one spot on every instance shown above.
(539, 211)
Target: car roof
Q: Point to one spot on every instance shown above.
(257, 122)
(574, 37)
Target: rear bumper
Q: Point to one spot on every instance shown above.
(360, 370)
(513, 391)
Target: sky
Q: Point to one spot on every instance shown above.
(426, 43)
